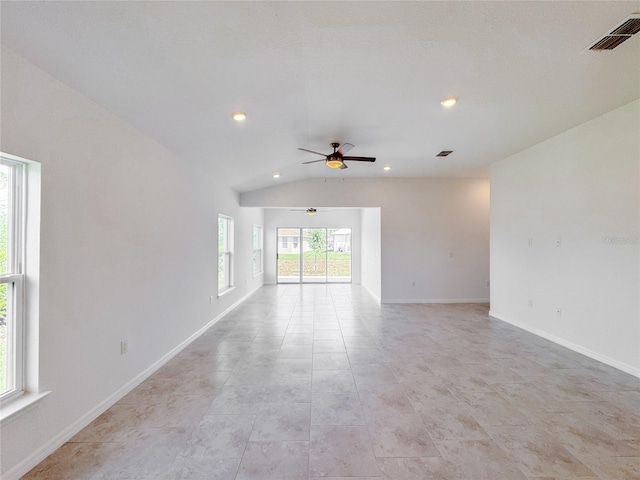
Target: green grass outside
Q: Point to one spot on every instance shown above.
(339, 264)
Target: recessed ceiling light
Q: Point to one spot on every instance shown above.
(387, 168)
(276, 175)
(449, 102)
(239, 116)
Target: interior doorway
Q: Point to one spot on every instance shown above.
(313, 255)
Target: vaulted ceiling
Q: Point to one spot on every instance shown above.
(310, 73)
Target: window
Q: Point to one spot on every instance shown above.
(225, 253)
(257, 249)
(12, 192)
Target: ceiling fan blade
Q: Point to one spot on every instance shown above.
(360, 159)
(311, 151)
(314, 161)
(343, 166)
(345, 147)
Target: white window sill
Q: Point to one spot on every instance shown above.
(257, 274)
(224, 292)
(14, 408)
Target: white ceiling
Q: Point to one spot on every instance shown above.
(309, 73)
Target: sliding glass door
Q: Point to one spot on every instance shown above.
(288, 253)
(339, 255)
(314, 258)
(314, 255)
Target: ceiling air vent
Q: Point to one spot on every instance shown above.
(444, 153)
(618, 34)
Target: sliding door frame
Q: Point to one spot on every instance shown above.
(301, 257)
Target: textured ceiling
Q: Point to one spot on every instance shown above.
(309, 73)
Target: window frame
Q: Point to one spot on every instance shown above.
(226, 255)
(14, 279)
(258, 251)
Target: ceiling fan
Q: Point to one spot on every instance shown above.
(311, 211)
(337, 158)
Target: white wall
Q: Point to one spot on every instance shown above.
(371, 273)
(581, 187)
(128, 251)
(423, 221)
(334, 218)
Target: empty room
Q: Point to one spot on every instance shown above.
(320, 240)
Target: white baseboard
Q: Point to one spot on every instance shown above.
(23, 467)
(371, 293)
(630, 369)
(435, 300)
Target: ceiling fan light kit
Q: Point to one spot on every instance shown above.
(333, 162)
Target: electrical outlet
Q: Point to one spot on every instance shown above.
(450, 254)
(559, 311)
(413, 284)
(530, 303)
(530, 242)
(124, 347)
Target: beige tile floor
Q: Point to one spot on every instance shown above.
(321, 382)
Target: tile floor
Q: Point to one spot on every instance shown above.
(321, 382)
